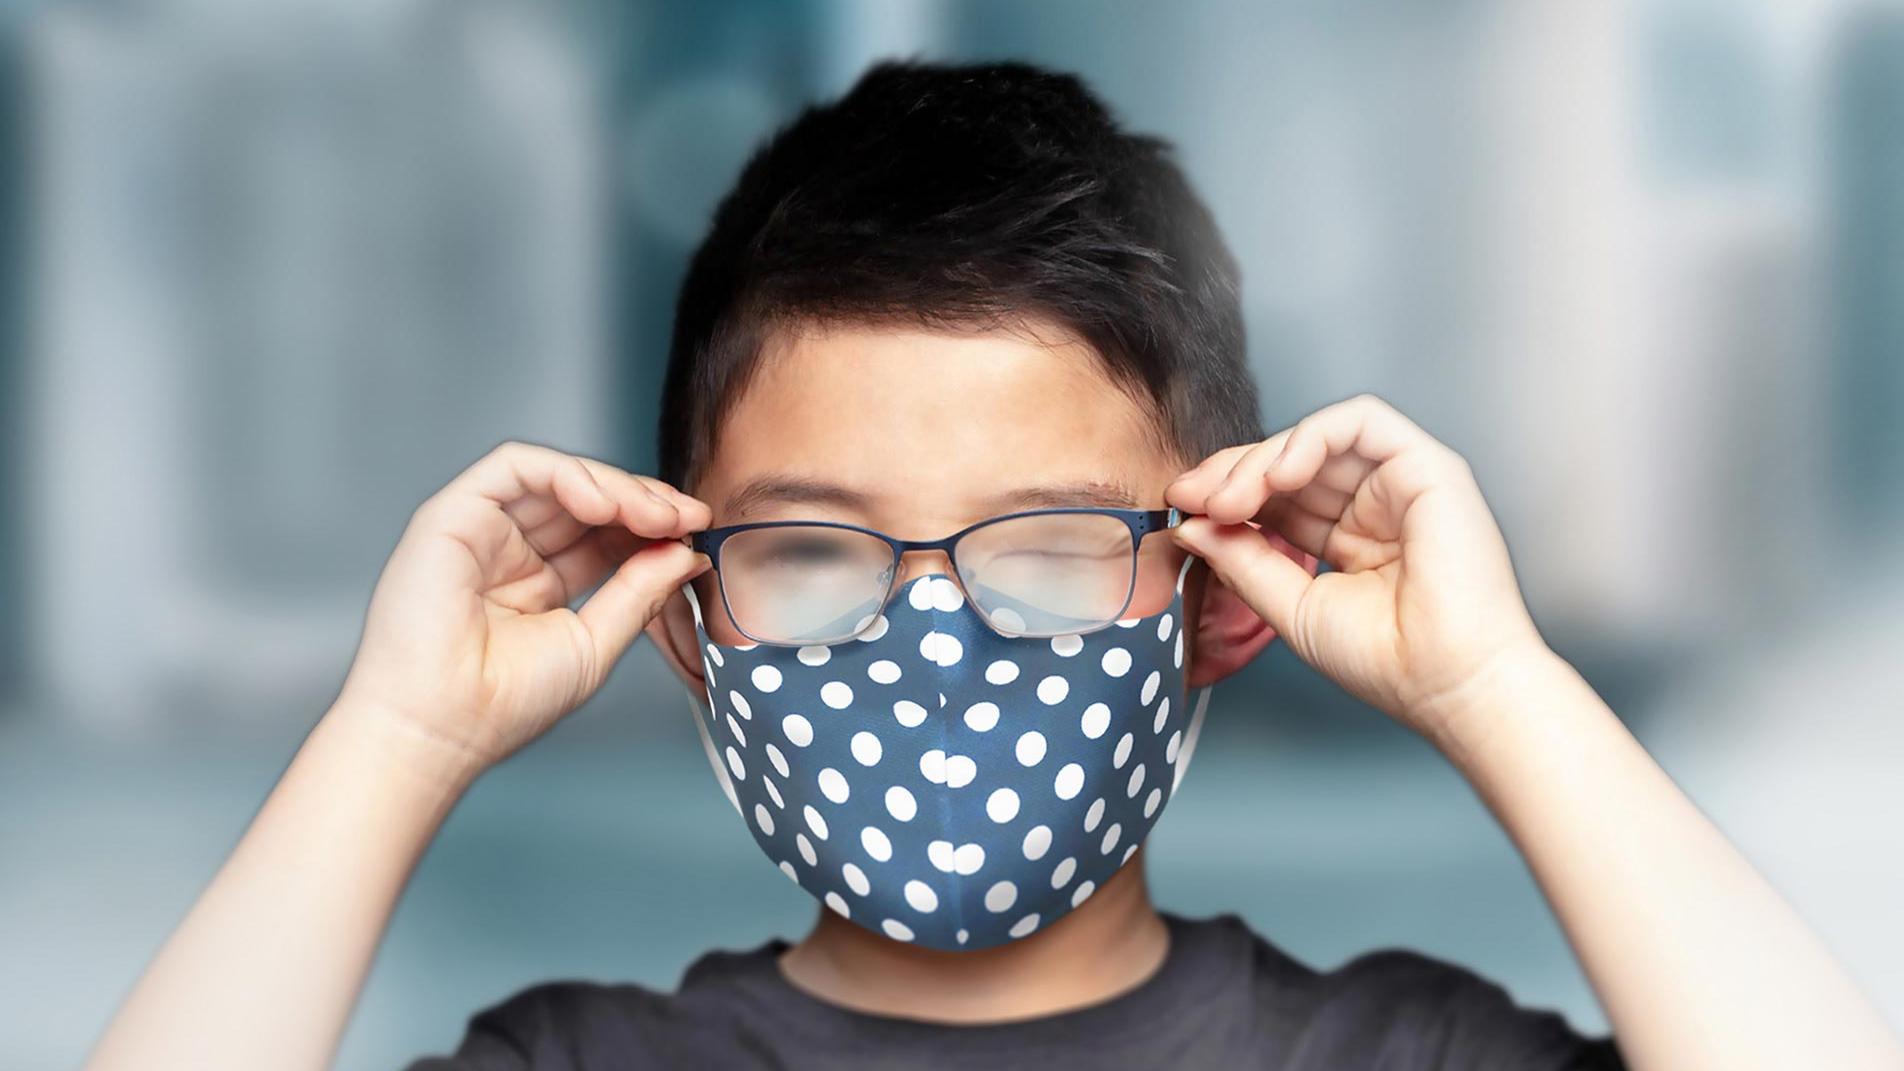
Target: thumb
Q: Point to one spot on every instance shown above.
(618, 610)
(1258, 571)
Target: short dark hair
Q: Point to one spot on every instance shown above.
(953, 196)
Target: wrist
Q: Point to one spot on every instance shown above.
(387, 739)
(1514, 683)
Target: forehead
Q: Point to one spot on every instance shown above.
(939, 428)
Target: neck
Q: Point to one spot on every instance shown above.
(1108, 945)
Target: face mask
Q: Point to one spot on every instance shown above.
(939, 783)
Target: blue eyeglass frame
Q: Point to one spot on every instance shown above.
(1140, 522)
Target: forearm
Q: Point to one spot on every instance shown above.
(264, 969)
(1698, 962)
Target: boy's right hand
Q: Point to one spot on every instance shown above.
(469, 647)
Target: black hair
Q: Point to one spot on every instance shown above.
(953, 196)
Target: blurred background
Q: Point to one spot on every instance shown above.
(272, 271)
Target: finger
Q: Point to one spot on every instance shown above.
(597, 553)
(1306, 530)
(617, 612)
(1364, 425)
(1242, 492)
(1191, 491)
(514, 470)
(695, 514)
(1270, 581)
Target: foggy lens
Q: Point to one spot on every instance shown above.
(1048, 574)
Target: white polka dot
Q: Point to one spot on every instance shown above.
(814, 821)
(1094, 815)
(932, 766)
(714, 653)
(1037, 842)
(910, 714)
(1163, 627)
(941, 648)
(792, 874)
(1122, 754)
(707, 668)
(874, 630)
(866, 748)
(815, 656)
(941, 700)
(963, 936)
(884, 671)
(836, 694)
(1024, 926)
(1008, 620)
(960, 770)
(1130, 622)
(856, 879)
(1117, 662)
(969, 859)
(837, 903)
(946, 597)
(1070, 781)
(1177, 656)
(1003, 671)
(733, 763)
(773, 792)
(1001, 897)
(1136, 782)
(941, 854)
(896, 930)
(1002, 805)
(1062, 873)
(1031, 748)
(1163, 715)
(981, 716)
(1097, 718)
(833, 785)
(806, 849)
(1151, 801)
(1170, 749)
(875, 843)
(734, 727)
(740, 705)
(763, 818)
(798, 730)
(900, 804)
(1082, 892)
(1067, 645)
(1111, 835)
(779, 761)
(1132, 850)
(921, 896)
(920, 595)
(765, 678)
(1053, 689)
(745, 646)
(1150, 687)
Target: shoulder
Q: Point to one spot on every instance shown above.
(577, 1024)
(1399, 1007)
(554, 1024)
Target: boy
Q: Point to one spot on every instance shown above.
(963, 504)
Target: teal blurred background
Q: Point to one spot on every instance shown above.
(271, 271)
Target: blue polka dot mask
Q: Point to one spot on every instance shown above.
(939, 783)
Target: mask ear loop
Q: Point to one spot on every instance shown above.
(1199, 703)
(700, 722)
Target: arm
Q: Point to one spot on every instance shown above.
(469, 652)
(1697, 961)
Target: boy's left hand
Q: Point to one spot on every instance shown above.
(1421, 602)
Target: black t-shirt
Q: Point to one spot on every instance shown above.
(1223, 998)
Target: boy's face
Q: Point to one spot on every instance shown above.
(918, 434)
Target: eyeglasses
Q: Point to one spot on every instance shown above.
(1038, 573)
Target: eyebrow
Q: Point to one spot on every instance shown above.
(808, 491)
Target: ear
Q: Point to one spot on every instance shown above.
(672, 630)
(1228, 633)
